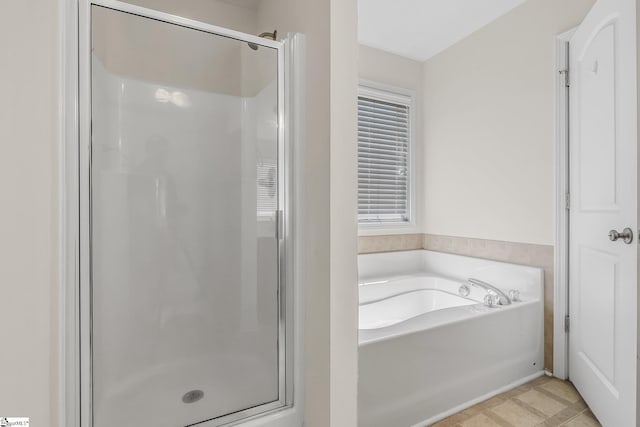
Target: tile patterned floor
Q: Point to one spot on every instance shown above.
(545, 401)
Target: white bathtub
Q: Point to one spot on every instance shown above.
(426, 351)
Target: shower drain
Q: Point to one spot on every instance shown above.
(192, 396)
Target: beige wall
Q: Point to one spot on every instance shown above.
(344, 208)
(330, 281)
(155, 52)
(390, 69)
(150, 50)
(315, 203)
(28, 220)
(489, 127)
(394, 70)
(239, 16)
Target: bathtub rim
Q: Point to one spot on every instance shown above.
(421, 269)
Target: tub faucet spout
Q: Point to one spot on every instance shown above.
(502, 297)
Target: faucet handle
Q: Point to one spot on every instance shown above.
(464, 291)
(514, 295)
(491, 300)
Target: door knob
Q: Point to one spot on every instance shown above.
(626, 235)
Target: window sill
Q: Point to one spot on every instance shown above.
(387, 229)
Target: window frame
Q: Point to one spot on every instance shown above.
(407, 97)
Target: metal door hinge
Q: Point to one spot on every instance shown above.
(567, 201)
(565, 73)
(566, 323)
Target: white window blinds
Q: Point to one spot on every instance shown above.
(383, 160)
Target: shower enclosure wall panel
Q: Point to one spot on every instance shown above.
(185, 257)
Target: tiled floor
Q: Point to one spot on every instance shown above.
(545, 401)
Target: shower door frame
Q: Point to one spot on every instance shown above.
(75, 349)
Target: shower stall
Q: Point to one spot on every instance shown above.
(185, 285)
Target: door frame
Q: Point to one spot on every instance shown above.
(72, 408)
(561, 253)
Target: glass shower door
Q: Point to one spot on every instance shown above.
(183, 210)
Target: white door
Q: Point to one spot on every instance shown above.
(603, 180)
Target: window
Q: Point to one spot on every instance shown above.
(384, 148)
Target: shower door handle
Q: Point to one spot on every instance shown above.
(279, 225)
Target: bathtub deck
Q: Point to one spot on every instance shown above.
(544, 401)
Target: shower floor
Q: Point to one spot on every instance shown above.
(545, 401)
(182, 395)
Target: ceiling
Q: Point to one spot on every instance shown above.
(419, 29)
